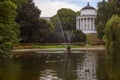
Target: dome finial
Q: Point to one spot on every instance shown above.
(88, 4)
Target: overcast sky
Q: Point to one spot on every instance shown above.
(49, 7)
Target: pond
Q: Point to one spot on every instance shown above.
(58, 66)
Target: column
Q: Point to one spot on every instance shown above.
(93, 23)
(87, 23)
(80, 24)
(90, 24)
(77, 24)
(83, 24)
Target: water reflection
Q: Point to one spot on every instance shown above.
(82, 66)
(113, 63)
(109, 66)
(9, 69)
(87, 69)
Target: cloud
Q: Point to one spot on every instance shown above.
(50, 7)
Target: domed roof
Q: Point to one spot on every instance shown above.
(88, 7)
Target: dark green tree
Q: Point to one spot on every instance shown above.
(105, 11)
(102, 18)
(32, 28)
(79, 36)
(8, 27)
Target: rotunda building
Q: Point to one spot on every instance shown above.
(86, 20)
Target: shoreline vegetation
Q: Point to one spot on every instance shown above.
(56, 47)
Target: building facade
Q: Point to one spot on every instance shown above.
(86, 20)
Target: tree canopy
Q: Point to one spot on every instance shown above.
(112, 34)
(65, 26)
(32, 28)
(105, 11)
(8, 27)
(67, 18)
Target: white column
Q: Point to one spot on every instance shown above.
(80, 24)
(83, 24)
(77, 24)
(90, 24)
(93, 23)
(87, 23)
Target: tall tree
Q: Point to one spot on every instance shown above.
(112, 32)
(112, 36)
(8, 27)
(32, 28)
(105, 11)
(28, 16)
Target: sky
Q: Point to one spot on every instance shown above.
(50, 7)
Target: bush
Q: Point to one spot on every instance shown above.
(78, 36)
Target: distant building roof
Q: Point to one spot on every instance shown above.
(46, 18)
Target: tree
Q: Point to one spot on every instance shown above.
(112, 38)
(28, 16)
(42, 31)
(79, 36)
(78, 13)
(32, 28)
(105, 11)
(102, 18)
(64, 26)
(8, 27)
(112, 32)
(67, 18)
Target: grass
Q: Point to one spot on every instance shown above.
(55, 46)
(47, 46)
(33, 46)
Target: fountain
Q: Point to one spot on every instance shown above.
(66, 36)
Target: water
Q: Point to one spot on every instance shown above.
(77, 66)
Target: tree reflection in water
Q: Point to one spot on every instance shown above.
(109, 66)
(114, 64)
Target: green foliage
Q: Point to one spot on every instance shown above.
(79, 36)
(19, 3)
(112, 36)
(78, 13)
(105, 11)
(67, 18)
(32, 28)
(8, 27)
